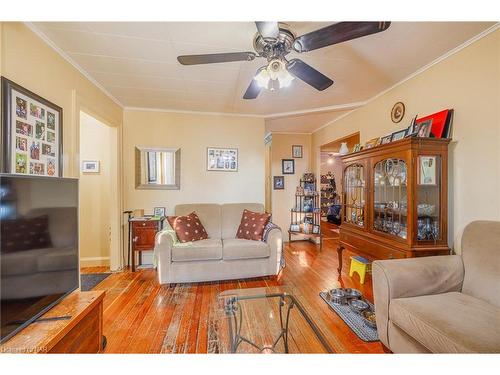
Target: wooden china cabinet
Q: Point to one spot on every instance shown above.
(395, 200)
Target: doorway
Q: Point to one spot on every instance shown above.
(98, 198)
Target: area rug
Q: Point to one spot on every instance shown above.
(353, 320)
(89, 280)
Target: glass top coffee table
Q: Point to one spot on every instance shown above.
(266, 320)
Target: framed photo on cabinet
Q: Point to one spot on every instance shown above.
(31, 133)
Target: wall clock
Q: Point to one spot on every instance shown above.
(397, 112)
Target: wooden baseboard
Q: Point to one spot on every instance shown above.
(94, 261)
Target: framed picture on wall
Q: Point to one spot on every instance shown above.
(222, 159)
(287, 166)
(31, 133)
(279, 182)
(297, 151)
(90, 166)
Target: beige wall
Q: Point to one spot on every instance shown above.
(193, 133)
(284, 200)
(469, 82)
(29, 61)
(95, 192)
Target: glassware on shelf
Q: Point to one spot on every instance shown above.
(428, 198)
(390, 197)
(354, 194)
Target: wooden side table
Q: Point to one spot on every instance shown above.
(143, 232)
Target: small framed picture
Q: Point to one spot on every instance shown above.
(424, 129)
(372, 143)
(386, 139)
(288, 166)
(279, 182)
(295, 228)
(396, 136)
(159, 212)
(316, 229)
(357, 147)
(222, 159)
(90, 166)
(427, 170)
(297, 151)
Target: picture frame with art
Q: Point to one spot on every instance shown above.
(278, 182)
(397, 135)
(287, 166)
(427, 174)
(316, 229)
(372, 143)
(91, 166)
(159, 211)
(386, 139)
(424, 129)
(222, 159)
(295, 228)
(32, 127)
(297, 151)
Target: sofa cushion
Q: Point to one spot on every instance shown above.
(449, 322)
(209, 214)
(209, 249)
(188, 228)
(252, 225)
(236, 248)
(231, 216)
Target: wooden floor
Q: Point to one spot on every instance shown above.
(141, 316)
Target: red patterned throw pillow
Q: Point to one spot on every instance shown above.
(252, 225)
(188, 228)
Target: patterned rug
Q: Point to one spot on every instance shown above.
(353, 320)
(89, 280)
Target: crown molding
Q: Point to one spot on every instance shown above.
(65, 56)
(420, 71)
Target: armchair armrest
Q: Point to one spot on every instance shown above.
(274, 239)
(164, 242)
(399, 278)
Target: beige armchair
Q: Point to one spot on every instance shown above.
(442, 304)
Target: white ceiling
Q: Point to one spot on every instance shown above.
(136, 63)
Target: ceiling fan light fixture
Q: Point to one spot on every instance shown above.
(262, 78)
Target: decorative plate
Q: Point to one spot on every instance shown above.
(397, 112)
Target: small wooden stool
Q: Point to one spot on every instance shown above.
(361, 266)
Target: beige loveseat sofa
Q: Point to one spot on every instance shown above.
(222, 256)
(442, 304)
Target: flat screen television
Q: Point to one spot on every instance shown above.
(39, 247)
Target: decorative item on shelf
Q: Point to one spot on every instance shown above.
(222, 159)
(295, 227)
(424, 128)
(397, 112)
(31, 139)
(299, 190)
(90, 166)
(427, 170)
(441, 123)
(287, 166)
(412, 130)
(297, 151)
(386, 139)
(343, 148)
(308, 177)
(279, 182)
(316, 229)
(357, 147)
(372, 143)
(400, 134)
(159, 212)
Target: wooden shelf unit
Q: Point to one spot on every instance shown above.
(378, 227)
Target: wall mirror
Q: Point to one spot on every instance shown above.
(157, 168)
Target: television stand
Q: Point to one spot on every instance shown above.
(74, 325)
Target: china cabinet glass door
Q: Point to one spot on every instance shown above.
(390, 199)
(354, 194)
(428, 198)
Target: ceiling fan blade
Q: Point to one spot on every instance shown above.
(253, 90)
(268, 29)
(337, 33)
(308, 74)
(216, 58)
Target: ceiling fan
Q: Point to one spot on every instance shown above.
(274, 41)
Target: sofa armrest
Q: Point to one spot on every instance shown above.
(400, 278)
(275, 241)
(164, 242)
